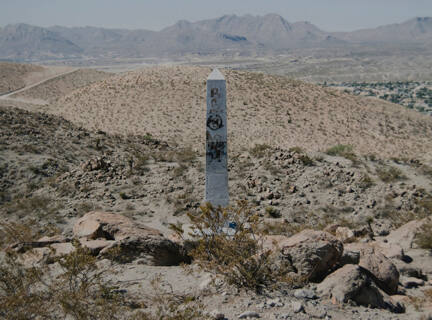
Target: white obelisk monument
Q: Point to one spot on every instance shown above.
(216, 191)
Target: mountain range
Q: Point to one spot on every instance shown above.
(229, 34)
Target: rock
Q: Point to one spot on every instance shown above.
(110, 226)
(46, 254)
(124, 240)
(382, 268)
(22, 247)
(350, 257)
(312, 253)
(304, 294)
(405, 235)
(352, 282)
(275, 303)
(391, 251)
(206, 283)
(412, 272)
(410, 282)
(345, 234)
(249, 314)
(95, 246)
(297, 306)
(62, 248)
(98, 163)
(35, 256)
(217, 315)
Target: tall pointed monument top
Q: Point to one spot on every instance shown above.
(216, 75)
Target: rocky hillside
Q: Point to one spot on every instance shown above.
(169, 103)
(414, 30)
(25, 42)
(229, 35)
(52, 173)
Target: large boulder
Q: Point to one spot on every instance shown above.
(125, 240)
(386, 273)
(390, 250)
(312, 253)
(405, 235)
(354, 283)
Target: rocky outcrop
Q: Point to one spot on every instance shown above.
(354, 283)
(386, 273)
(111, 236)
(405, 235)
(117, 237)
(312, 253)
(372, 258)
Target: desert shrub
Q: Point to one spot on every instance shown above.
(273, 212)
(339, 150)
(306, 160)
(296, 150)
(139, 162)
(399, 218)
(40, 205)
(78, 291)
(23, 231)
(425, 170)
(179, 171)
(365, 182)
(424, 206)
(259, 150)
(186, 155)
(86, 206)
(124, 195)
(20, 294)
(81, 291)
(238, 256)
(270, 167)
(286, 229)
(169, 305)
(424, 236)
(390, 174)
(343, 150)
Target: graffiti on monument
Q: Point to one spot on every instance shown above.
(215, 147)
(214, 122)
(214, 92)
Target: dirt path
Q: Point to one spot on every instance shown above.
(8, 96)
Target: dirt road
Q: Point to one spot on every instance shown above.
(9, 95)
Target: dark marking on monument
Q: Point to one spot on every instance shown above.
(214, 122)
(214, 92)
(215, 147)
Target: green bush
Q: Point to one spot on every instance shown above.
(239, 256)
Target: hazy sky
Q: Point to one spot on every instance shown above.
(330, 15)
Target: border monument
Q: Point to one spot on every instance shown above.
(216, 190)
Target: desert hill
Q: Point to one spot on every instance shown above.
(13, 75)
(169, 104)
(63, 84)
